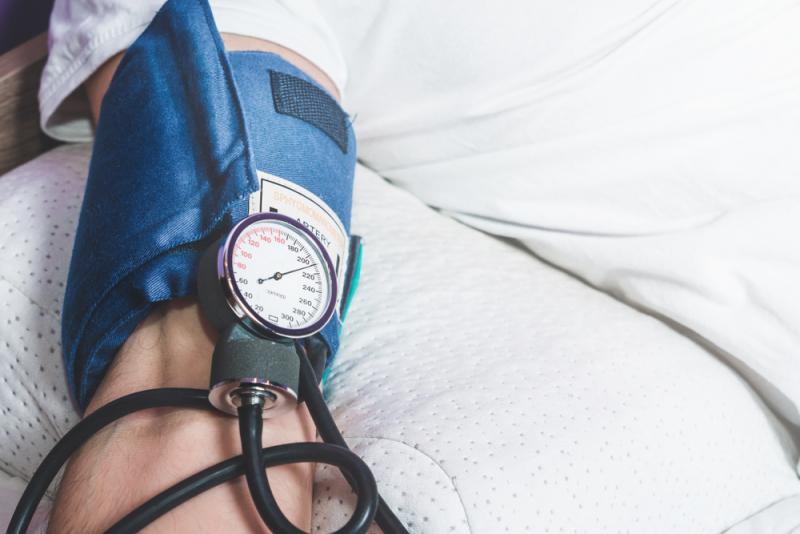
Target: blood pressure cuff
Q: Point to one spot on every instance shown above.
(184, 126)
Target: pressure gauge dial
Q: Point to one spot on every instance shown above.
(277, 276)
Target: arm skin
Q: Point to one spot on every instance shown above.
(141, 455)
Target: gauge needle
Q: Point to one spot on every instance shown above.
(278, 276)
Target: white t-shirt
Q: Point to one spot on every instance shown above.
(86, 33)
(650, 148)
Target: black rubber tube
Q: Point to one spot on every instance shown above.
(326, 426)
(354, 470)
(271, 456)
(80, 434)
(250, 429)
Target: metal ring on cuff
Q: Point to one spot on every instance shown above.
(279, 399)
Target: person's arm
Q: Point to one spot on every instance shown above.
(145, 453)
(96, 85)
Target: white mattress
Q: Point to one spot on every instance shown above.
(488, 391)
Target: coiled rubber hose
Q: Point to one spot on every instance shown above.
(252, 463)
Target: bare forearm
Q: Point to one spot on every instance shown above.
(145, 453)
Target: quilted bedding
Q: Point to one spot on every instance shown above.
(488, 391)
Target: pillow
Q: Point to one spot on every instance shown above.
(485, 389)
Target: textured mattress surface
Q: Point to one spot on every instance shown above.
(488, 391)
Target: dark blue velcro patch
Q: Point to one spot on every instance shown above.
(298, 98)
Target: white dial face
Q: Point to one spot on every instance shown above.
(281, 274)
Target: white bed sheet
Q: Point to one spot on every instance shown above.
(488, 391)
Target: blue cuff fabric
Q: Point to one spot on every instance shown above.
(183, 128)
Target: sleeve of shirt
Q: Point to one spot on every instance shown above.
(84, 34)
